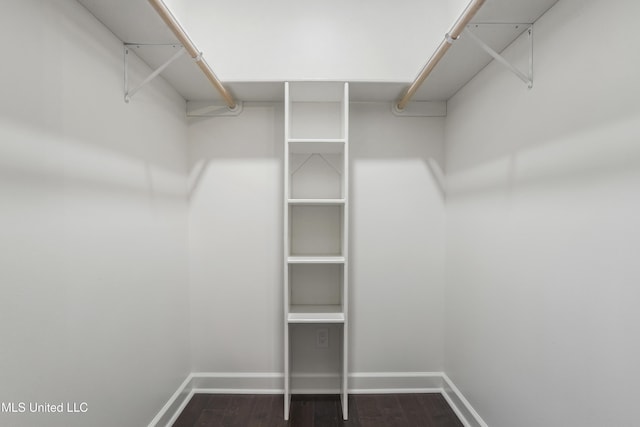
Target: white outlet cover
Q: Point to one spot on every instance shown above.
(322, 338)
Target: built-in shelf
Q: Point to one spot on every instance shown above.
(329, 259)
(317, 140)
(316, 314)
(316, 202)
(498, 23)
(316, 165)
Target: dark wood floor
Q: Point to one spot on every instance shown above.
(365, 410)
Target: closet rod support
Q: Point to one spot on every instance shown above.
(128, 93)
(172, 23)
(467, 15)
(528, 79)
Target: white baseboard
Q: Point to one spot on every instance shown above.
(395, 382)
(238, 382)
(460, 405)
(175, 405)
(359, 383)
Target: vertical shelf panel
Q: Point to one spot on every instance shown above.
(287, 368)
(345, 249)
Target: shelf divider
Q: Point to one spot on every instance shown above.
(316, 259)
(316, 314)
(312, 202)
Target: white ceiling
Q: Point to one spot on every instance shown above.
(135, 21)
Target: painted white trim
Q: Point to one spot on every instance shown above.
(461, 405)
(315, 390)
(315, 383)
(237, 375)
(393, 390)
(174, 401)
(238, 391)
(180, 408)
(455, 409)
(395, 382)
(394, 374)
(238, 382)
(314, 375)
(360, 383)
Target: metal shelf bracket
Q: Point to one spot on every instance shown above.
(129, 92)
(528, 77)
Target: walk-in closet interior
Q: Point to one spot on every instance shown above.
(333, 198)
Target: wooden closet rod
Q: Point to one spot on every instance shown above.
(464, 19)
(184, 39)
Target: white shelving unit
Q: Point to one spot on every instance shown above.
(316, 213)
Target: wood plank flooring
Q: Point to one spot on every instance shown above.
(365, 410)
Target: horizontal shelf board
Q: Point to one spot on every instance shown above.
(316, 259)
(328, 146)
(316, 314)
(316, 201)
(323, 140)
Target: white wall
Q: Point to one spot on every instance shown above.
(235, 241)
(455, 9)
(93, 267)
(397, 241)
(178, 9)
(542, 322)
(279, 40)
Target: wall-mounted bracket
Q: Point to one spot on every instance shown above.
(421, 109)
(128, 93)
(212, 109)
(527, 78)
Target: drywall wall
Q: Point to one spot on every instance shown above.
(93, 235)
(177, 8)
(543, 238)
(328, 40)
(397, 239)
(396, 242)
(455, 8)
(235, 241)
